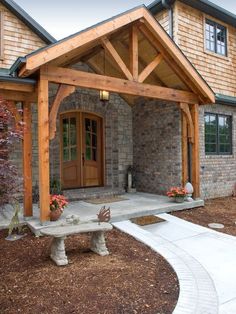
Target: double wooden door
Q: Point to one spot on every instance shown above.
(81, 150)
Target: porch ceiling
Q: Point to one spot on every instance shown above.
(107, 49)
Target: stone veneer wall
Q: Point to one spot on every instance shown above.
(218, 172)
(157, 145)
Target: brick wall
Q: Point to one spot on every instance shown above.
(218, 172)
(157, 146)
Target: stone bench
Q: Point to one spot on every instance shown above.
(59, 234)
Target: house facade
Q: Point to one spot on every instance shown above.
(92, 144)
(206, 34)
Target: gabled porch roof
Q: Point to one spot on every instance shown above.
(160, 61)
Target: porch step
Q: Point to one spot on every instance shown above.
(91, 193)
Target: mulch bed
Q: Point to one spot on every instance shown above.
(132, 279)
(220, 210)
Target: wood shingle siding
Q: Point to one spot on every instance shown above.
(163, 18)
(18, 39)
(217, 70)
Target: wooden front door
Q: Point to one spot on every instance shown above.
(81, 150)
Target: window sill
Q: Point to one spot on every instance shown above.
(215, 156)
(216, 55)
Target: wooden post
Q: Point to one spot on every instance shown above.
(195, 151)
(43, 146)
(134, 53)
(184, 149)
(27, 159)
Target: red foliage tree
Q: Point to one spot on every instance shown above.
(10, 133)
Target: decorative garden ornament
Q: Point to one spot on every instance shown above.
(104, 215)
(189, 188)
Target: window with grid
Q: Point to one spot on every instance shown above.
(216, 37)
(218, 134)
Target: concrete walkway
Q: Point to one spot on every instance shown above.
(204, 260)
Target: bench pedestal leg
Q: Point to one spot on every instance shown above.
(98, 244)
(58, 253)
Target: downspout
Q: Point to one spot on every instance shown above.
(189, 161)
(169, 7)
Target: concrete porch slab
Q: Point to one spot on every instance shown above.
(134, 205)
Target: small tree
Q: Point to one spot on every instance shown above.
(10, 134)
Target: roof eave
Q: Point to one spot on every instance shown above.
(29, 21)
(202, 5)
(225, 100)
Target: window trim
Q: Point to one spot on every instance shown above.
(218, 153)
(216, 24)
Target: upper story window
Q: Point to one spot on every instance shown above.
(216, 38)
(218, 134)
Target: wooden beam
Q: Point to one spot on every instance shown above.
(52, 52)
(27, 159)
(100, 82)
(169, 61)
(18, 96)
(150, 68)
(83, 57)
(185, 108)
(184, 149)
(195, 151)
(94, 66)
(28, 88)
(143, 63)
(175, 57)
(62, 92)
(134, 52)
(114, 54)
(43, 147)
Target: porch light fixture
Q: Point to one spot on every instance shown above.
(104, 95)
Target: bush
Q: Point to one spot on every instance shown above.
(10, 133)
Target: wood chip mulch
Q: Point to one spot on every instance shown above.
(219, 210)
(132, 279)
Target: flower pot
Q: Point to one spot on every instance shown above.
(55, 214)
(179, 199)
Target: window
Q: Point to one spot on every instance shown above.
(218, 134)
(216, 38)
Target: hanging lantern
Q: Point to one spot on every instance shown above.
(104, 95)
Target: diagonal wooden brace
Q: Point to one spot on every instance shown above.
(185, 108)
(62, 93)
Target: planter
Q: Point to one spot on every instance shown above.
(179, 199)
(55, 214)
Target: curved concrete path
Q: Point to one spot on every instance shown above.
(204, 260)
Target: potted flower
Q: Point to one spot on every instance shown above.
(57, 205)
(178, 193)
